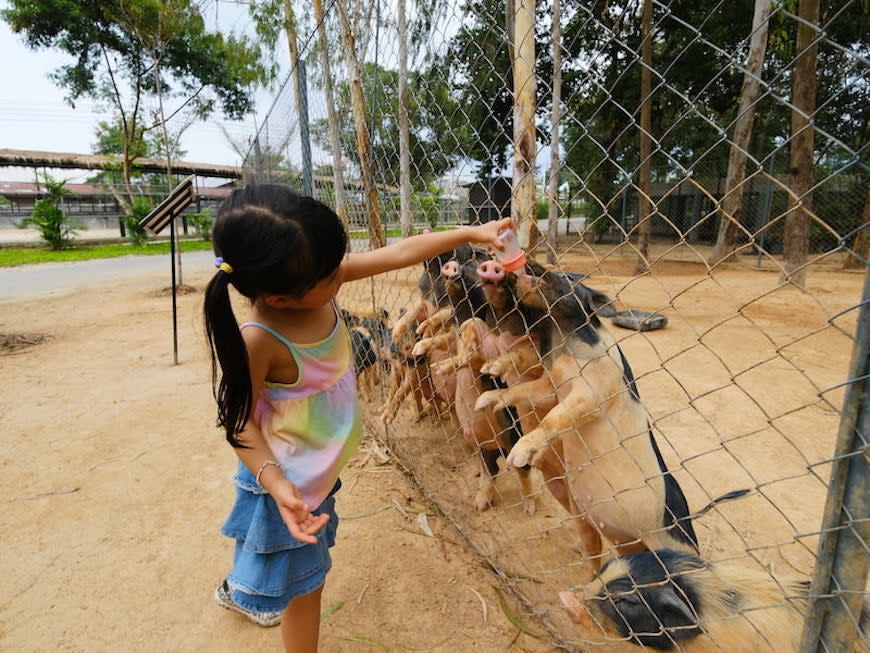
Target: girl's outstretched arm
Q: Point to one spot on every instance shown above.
(416, 249)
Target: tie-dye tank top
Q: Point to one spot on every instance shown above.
(313, 426)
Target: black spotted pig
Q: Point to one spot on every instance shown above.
(617, 484)
(433, 294)
(491, 431)
(672, 600)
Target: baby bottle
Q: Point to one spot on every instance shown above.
(512, 257)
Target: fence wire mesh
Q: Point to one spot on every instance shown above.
(701, 163)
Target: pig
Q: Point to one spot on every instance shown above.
(369, 335)
(410, 375)
(669, 599)
(433, 295)
(615, 480)
(491, 432)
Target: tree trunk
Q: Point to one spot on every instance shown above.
(645, 208)
(860, 250)
(404, 126)
(553, 188)
(525, 150)
(360, 119)
(301, 110)
(730, 215)
(796, 237)
(331, 119)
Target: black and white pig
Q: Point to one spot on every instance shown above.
(616, 480)
(672, 600)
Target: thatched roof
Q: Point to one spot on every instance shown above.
(34, 158)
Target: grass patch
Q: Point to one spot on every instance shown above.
(29, 255)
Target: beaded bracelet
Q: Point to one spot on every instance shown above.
(263, 466)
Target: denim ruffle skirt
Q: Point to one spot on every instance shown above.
(270, 566)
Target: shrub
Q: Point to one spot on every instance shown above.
(54, 226)
(202, 222)
(140, 206)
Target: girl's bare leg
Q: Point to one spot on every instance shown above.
(300, 623)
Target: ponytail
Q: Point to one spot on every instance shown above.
(232, 388)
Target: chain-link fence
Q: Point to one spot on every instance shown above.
(703, 162)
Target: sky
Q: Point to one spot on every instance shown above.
(34, 116)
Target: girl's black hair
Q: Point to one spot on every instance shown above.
(277, 243)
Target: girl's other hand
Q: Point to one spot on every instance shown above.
(296, 514)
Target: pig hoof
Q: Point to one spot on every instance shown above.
(531, 507)
(482, 502)
(519, 456)
(484, 400)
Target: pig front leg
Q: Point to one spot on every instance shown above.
(426, 345)
(560, 419)
(586, 398)
(417, 314)
(485, 496)
(468, 348)
(528, 391)
(391, 408)
(515, 363)
(436, 323)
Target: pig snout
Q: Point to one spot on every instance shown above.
(450, 270)
(491, 271)
(576, 610)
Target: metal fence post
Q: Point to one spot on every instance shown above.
(304, 135)
(837, 589)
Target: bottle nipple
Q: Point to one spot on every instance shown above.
(512, 257)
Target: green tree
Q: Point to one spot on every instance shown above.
(133, 53)
(54, 226)
(482, 83)
(432, 144)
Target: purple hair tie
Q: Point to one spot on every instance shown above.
(222, 265)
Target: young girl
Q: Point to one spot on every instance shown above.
(286, 391)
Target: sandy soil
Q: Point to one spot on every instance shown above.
(115, 481)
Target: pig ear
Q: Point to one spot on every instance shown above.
(597, 301)
(668, 600)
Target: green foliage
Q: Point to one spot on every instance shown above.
(140, 206)
(202, 222)
(429, 206)
(480, 76)
(136, 34)
(55, 228)
(432, 139)
(11, 256)
(138, 55)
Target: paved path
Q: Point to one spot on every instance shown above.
(46, 278)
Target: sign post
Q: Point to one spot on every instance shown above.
(155, 222)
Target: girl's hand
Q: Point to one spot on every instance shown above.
(296, 514)
(488, 232)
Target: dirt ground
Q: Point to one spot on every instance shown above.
(115, 481)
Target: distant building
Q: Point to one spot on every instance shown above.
(93, 204)
(489, 199)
